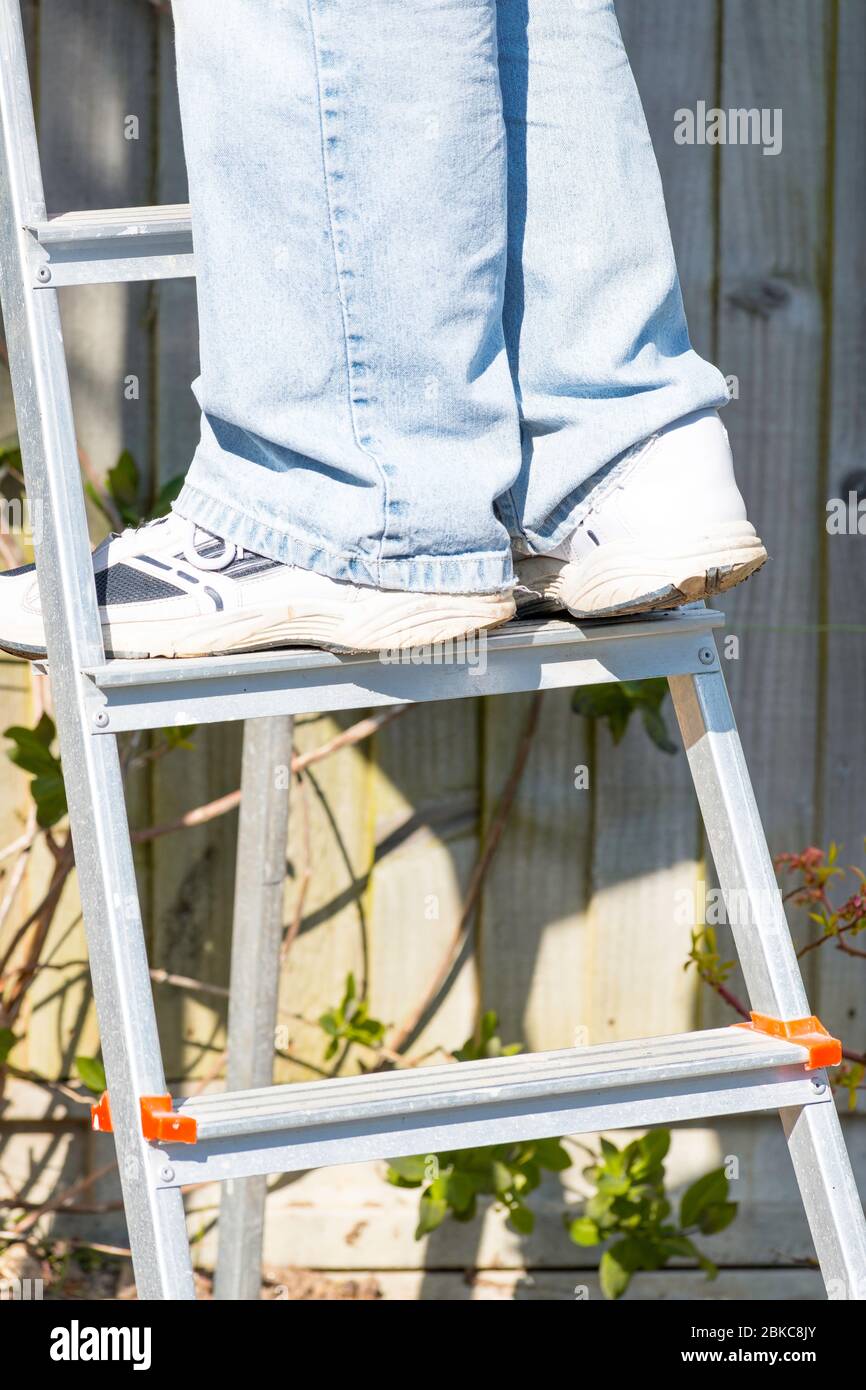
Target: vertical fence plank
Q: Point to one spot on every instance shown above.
(646, 825)
(425, 808)
(330, 836)
(771, 327)
(536, 967)
(841, 987)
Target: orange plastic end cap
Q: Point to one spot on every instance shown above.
(824, 1050)
(160, 1121)
(100, 1114)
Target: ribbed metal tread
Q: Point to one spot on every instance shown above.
(423, 1090)
(280, 1129)
(111, 244)
(521, 655)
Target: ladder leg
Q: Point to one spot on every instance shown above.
(770, 966)
(256, 939)
(94, 785)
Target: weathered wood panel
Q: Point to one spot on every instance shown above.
(424, 796)
(841, 987)
(646, 836)
(772, 234)
(579, 926)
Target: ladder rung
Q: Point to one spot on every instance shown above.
(80, 248)
(528, 655)
(349, 1119)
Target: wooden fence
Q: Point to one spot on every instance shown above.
(582, 931)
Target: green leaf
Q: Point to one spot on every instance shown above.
(717, 1218)
(613, 1271)
(168, 493)
(466, 1213)
(708, 1191)
(92, 1073)
(431, 1213)
(658, 731)
(122, 482)
(180, 736)
(459, 1191)
(521, 1219)
(584, 1231)
(616, 703)
(488, 1026)
(653, 1147)
(32, 753)
(7, 1042)
(411, 1172)
(503, 1178)
(613, 1186)
(552, 1155)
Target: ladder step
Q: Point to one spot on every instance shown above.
(579, 1090)
(87, 248)
(527, 655)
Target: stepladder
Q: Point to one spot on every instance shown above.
(252, 1129)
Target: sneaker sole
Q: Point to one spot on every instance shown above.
(619, 582)
(401, 623)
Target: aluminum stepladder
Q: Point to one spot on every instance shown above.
(255, 1128)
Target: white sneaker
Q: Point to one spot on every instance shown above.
(172, 589)
(673, 530)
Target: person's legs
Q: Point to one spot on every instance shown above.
(348, 180)
(626, 488)
(594, 320)
(365, 250)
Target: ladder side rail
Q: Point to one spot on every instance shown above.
(738, 844)
(106, 872)
(257, 936)
(771, 969)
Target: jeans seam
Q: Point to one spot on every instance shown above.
(344, 307)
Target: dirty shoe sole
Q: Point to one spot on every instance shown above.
(618, 580)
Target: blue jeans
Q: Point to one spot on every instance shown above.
(437, 292)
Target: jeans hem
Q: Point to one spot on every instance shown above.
(478, 573)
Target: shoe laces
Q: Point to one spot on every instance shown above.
(189, 538)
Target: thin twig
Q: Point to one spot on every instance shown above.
(306, 873)
(58, 1202)
(163, 977)
(19, 869)
(365, 728)
(23, 842)
(223, 804)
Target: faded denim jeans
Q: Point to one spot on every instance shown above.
(437, 292)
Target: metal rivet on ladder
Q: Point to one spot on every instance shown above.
(166, 1173)
(44, 274)
(100, 718)
(706, 655)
